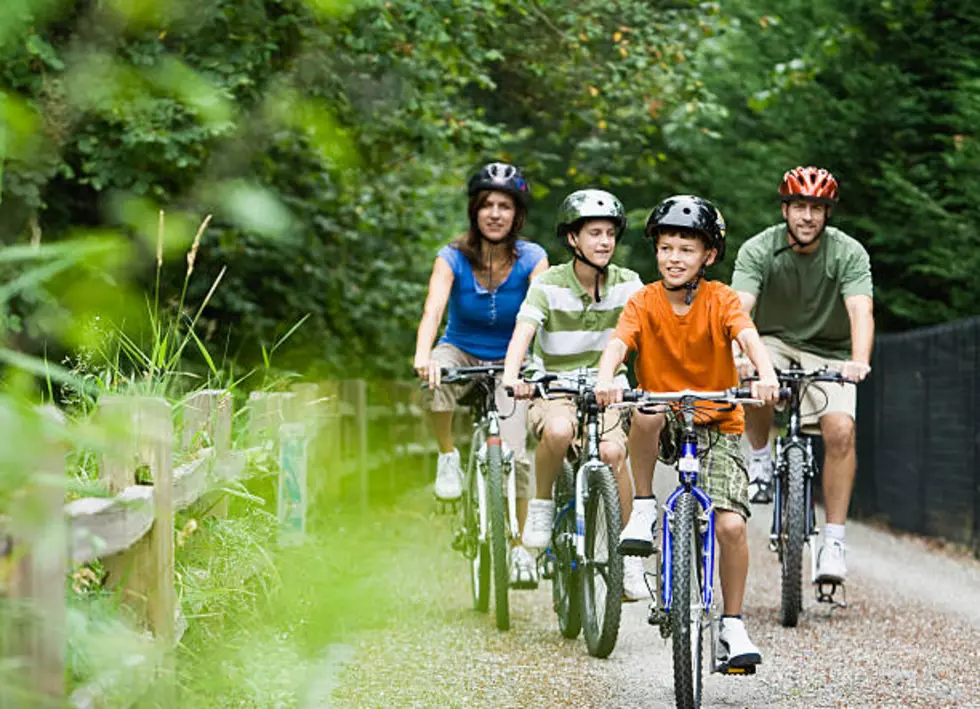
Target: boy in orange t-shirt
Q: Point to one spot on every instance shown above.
(682, 329)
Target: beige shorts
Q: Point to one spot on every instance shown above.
(513, 428)
(611, 422)
(820, 398)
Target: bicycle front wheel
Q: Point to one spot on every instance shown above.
(793, 511)
(477, 550)
(687, 611)
(565, 591)
(602, 572)
(498, 532)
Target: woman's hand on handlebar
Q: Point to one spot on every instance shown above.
(608, 392)
(428, 370)
(518, 388)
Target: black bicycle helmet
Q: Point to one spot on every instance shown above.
(501, 177)
(689, 212)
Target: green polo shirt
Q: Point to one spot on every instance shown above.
(800, 297)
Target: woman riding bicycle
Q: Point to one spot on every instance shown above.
(483, 276)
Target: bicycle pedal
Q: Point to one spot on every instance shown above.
(726, 669)
(827, 596)
(445, 507)
(657, 617)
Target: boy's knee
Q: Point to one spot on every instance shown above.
(730, 528)
(558, 431)
(647, 424)
(612, 454)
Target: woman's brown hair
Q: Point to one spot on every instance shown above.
(470, 242)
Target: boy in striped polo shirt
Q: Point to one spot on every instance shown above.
(573, 309)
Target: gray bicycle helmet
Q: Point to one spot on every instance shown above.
(590, 204)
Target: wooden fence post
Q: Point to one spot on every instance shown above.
(144, 573)
(266, 412)
(330, 445)
(361, 424)
(37, 639)
(209, 411)
(293, 463)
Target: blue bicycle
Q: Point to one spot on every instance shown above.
(684, 588)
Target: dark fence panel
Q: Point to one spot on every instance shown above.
(918, 448)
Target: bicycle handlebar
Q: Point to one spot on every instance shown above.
(689, 396)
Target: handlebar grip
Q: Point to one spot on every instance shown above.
(632, 395)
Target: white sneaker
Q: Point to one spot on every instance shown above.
(735, 648)
(523, 569)
(760, 477)
(831, 566)
(636, 539)
(634, 581)
(537, 529)
(449, 476)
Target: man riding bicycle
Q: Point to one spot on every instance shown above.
(810, 288)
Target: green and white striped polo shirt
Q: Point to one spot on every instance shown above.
(573, 329)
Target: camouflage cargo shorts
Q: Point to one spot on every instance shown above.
(724, 475)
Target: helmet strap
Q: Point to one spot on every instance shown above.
(600, 271)
(691, 286)
(795, 243)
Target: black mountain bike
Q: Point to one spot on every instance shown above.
(794, 519)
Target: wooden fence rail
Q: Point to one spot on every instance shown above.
(347, 430)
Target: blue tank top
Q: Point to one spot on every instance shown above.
(481, 322)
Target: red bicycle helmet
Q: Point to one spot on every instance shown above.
(812, 184)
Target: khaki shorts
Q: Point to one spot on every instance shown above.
(820, 398)
(611, 421)
(513, 428)
(724, 475)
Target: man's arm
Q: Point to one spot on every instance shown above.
(860, 310)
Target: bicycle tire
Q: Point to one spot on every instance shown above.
(686, 608)
(602, 605)
(470, 513)
(792, 539)
(565, 591)
(498, 533)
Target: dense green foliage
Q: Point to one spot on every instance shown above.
(331, 141)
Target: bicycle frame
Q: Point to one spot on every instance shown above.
(688, 469)
(793, 439)
(489, 420)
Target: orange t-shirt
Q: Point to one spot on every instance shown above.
(690, 351)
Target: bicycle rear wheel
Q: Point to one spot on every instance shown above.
(793, 511)
(477, 551)
(565, 591)
(498, 532)
(602, 572)
(687, 612)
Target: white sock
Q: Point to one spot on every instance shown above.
(833, 531)
(763, 452)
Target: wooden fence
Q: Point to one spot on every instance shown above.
(349, 431)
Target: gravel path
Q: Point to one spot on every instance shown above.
(910, 637)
